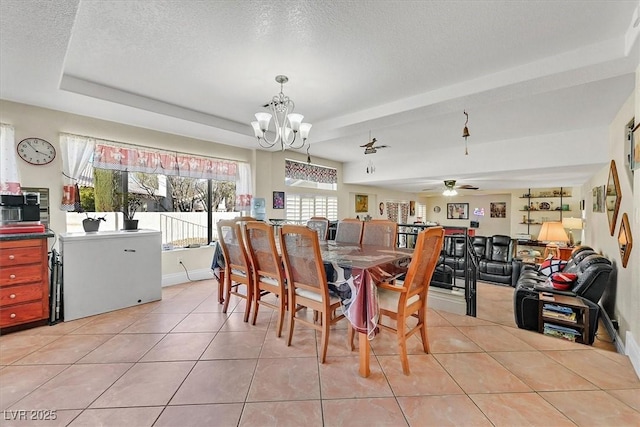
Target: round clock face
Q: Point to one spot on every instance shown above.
(436, 209)
(36, 151)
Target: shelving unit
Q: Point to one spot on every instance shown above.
(559, 315)
(544, 201)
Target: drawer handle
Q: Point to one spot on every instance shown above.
(12, 315)
(12, 257)
(13, 276)
(129, 250)
(12, 296)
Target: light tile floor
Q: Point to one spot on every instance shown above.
(182, 362)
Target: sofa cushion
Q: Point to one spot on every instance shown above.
(551, 265)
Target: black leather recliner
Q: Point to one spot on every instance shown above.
(453, 253)
(499, 264)
(593, 275)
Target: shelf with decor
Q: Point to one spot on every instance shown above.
(535, 210)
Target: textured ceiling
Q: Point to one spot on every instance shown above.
(535, 76)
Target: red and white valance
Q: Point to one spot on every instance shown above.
(308, 172)
(111, 156)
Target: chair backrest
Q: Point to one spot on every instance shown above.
(593, 273)
(233, 248)
(479, 246)
(321, 225)
(424, 260)
(500, 248)
(349, 231)
(303, 260)
(380, 233)
(263, 253)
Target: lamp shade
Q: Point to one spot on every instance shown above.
(552, 232)
(572, 223)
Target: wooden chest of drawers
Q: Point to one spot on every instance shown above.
(24, 282)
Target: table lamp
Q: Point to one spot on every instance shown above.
(572, 224)
(553, 233)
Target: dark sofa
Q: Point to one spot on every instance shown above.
(499, 263)
(593, 274)
(494, 256)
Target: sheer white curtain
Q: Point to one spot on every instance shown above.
(76, 153)
(244, 190)
(9, 174)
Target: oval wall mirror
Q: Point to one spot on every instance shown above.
(613, 197)
(625, 240)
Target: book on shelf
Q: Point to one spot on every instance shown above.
(561, 331)
(557, 308)
(567, 317)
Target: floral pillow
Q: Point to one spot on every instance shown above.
(552, 265)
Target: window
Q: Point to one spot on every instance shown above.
(421, 212)
(301, 207)
(170, 191)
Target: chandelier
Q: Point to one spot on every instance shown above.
(287, 123)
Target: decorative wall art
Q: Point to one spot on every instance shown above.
(598, 195)
(362, 203)
(412, 208)
(498, 209)
(457, 210)
(278, 200)
(635, 148)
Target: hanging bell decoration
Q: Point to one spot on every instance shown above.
(466, 134)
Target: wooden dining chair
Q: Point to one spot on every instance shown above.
(404, 299)
(268, 271)
(237, 265)
(321, 225)
(380, 233)
(349, 231)
(307, 282)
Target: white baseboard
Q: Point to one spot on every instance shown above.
(177, 278)
(633, 351)
(447, 300)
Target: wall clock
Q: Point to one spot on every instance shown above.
(36, 151)
(436, 209)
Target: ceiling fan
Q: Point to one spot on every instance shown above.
(371, 147)
(450, 187)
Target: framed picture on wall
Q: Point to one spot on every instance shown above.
(498, 209)
(362, 203)
(412, 208)
(457, 210)
(635, 148)
(278, 200)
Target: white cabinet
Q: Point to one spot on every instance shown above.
(109, 270)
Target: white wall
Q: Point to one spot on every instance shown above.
(597, 234)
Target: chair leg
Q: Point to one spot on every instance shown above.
(221, 287)
(281, 309)
(292, 312)
(227, 293)
(325, 337)
(247, 310)
(257, 306)
(422, 322)
(402, 345)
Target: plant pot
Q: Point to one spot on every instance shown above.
(130, 224)
(90, 225)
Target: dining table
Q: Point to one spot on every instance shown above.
(353, 273)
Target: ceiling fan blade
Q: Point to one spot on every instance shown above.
(468, 187)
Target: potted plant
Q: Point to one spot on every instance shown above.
(91, 224)
(133, 204)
